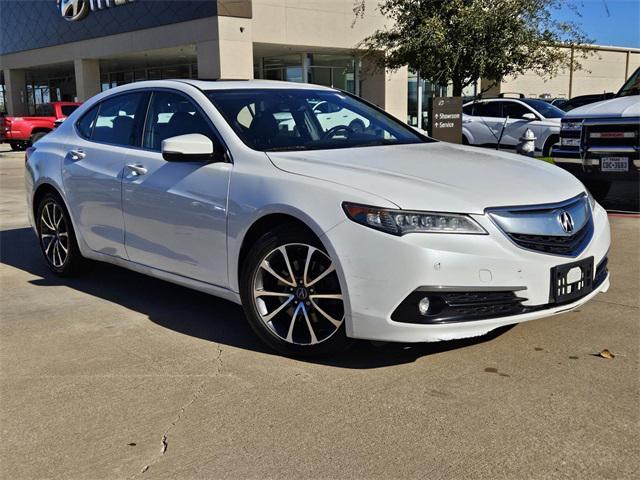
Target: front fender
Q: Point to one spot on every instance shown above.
(467, 133)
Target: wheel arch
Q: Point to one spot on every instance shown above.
(549, 142)
(39, 194)
(40, 130)
(467, 134)
(261, 226)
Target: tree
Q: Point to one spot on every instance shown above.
(460, 41)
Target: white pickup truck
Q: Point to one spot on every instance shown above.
(600, 142)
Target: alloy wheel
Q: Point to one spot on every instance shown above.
(54, 234)
(297, 294)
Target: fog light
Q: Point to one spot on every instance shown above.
(423, 306)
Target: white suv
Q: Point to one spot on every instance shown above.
(321, 232)
(483, 123)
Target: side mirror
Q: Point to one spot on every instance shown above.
(529, 117)
(193, 147)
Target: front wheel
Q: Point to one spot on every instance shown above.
(57, 238)
(17, 146)
(291, 294)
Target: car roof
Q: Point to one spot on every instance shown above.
(250, 84)
(519, 100)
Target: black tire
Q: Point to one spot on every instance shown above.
(17, 146)
(37, 136)
(551, 141)
(599, 189)
(465, 140)
(294, 237)
(48, 214)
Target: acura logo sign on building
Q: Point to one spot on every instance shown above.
(74, 10)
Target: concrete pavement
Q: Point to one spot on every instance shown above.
(117, 376)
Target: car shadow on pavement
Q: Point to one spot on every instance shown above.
(194, 313)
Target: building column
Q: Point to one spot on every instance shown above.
(231, 55)
(87, 78)
(388, 89)
(15, 92)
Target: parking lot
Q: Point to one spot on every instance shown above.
(117, 375)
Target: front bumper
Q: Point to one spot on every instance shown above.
(379, 271)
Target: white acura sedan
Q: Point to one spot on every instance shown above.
(322, 234)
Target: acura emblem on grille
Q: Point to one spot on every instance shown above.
(566, 221)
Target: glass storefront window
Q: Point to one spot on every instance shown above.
(3, 105)
(114, 79)
(331, 70)
(420, 98)
(44, 88)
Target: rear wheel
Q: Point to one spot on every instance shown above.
(291, 294)
(37, 136)
(57, 238)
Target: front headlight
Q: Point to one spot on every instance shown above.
(399, 222)
(567, 126)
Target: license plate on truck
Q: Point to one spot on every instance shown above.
(614, 164)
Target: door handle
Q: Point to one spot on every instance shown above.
(77, 154)
(136, 169)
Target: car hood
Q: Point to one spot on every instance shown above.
(612, 108)
(550, 122)
(436, 176)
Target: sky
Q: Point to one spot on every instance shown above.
(607, 22)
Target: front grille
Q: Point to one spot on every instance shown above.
(563, 228)
(553, 244)
(610, 134)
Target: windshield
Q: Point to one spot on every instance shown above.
(304, 119)
(631, 86)
(544, 108)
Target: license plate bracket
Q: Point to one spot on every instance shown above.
(571, 281)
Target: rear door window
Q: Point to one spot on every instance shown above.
(68, 109)
(45, 110)
(489, 109)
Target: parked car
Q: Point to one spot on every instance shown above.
(503, 121)
(582, 100)
(322, 235)
(20, 132)
(329, 115)
(557, 101)
(600, 142)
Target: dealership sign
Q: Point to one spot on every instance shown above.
(74, 10)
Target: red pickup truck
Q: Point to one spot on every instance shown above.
(20, 132)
